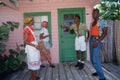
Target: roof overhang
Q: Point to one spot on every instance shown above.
(9, 4)
(15, 3)
(94, 2)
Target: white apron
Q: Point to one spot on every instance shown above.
(33, 55)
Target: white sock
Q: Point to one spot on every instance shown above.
(82, 61)
(79, 60)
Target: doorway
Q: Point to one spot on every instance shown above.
(67, 38)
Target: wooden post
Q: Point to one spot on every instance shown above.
(117, 40)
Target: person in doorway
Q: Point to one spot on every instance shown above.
(98, 31)
(31, 48)
(44, 43)
(80, 41)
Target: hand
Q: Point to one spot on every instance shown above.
(95, 44)
(62, 25)
(87, 39)
(37, 47)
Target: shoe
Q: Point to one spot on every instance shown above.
(37, 78)
(42, 66)
(94, 74)
(81, 66)
(77, 65)
(102, 79)
(51, 65)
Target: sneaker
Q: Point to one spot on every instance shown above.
(77, 65)
(42, 66)
(94, 74)
(81, 66)
(102, 79)
(37, 78)
(51, 65)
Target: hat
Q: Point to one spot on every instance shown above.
(27, 20)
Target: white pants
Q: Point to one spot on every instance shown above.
(33, 57)
(80, 43)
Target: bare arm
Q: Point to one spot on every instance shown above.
(42, 36)
(88, 33)
(66, 27)
(104, 33)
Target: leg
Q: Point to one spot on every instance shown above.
(48, 57)
(83, 55)
(78, 55)
(46, 53)
(33, 74)
(91, 50)
(96, 61)
(81, 66)
(78, 58)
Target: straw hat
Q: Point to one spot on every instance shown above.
(27, 20)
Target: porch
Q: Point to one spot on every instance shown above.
(67, 71)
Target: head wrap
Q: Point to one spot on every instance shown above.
(27, 20)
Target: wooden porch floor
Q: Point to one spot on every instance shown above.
(67, 71)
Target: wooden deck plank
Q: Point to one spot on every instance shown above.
(48, 75)
(62, 75)
(68, 71)
(91, 70)
(111, 72)
(55, 73)
(42, 73)
(75, 72)
(27, 76)
(14, 75)
(20, 77)
(88, 72)
(109, 75)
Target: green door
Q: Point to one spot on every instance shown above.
(67, 38)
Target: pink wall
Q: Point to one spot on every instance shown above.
(7, 14)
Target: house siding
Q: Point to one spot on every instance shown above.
(7, 14)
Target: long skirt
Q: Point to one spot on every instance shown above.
(33, 57)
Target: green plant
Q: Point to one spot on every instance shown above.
(15, 59)
(5, 28)
(109, 9)
(13, 62)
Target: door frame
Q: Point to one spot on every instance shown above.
(60, 22)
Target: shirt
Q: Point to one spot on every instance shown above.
(82, 29)
(45, 31)
(97, 29)
(30, 35)
(102, 24)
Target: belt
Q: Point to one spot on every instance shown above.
(96, 37)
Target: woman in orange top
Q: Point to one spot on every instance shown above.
(31, 48)
(96, 44)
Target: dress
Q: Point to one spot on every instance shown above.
(33, 55)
